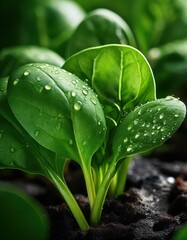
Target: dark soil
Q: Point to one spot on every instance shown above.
(152, 207)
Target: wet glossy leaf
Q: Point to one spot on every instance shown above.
(148, 126)
(68, 118)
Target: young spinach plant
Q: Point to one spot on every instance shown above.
(98, 110)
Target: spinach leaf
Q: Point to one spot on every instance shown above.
(60, 124)
(120, 75)
(14, 57)
(148, 126)
(100, 27)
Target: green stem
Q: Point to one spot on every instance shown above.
(101, 195)
(121, 177)
(87, 172)
(69, 198)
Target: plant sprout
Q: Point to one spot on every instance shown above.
(98, 110)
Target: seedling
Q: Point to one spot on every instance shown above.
(98, 110)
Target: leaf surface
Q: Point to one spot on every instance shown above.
(148, 126)
(120, 75)
(60, 112)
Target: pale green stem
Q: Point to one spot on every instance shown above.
(101, 195)
(69, 198)
(121, 177)
(87, 172)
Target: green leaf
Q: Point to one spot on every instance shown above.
(60, 111)
(169, 62)
(120, 75)
(14, 151)
(181, 234)
(148, 126)
(21, 216)
(14, 57)
(100, 27)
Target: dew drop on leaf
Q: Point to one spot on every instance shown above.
(26, 73)
(129, 149)
(161, 116)
(73, 94)
(93, 101)
(84, 91)
(36, 133)
(15, 81)
(77, 106)
(137, 135)
(74, 82)
(38, 78)
(12, 150)
(47, 87)
(70, 141)
(125, 140)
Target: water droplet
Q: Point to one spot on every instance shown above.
(38, 78)
(77, 106)
(26, 73)
(93, 101)
(84, 143)
(129, 149)
(36, 133)
(136, 122)
(137, 135)
(170, 98)
(12, 150)
(162, 129)
(129, 127)
(99, 123)
(125, 140)
(70, 141)
(73, 94)
(143, 124)
(15, 81)
(84, 91)
(74, 82)
(48, 87)
(161, 116)
(139, 112)
(176, 115)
